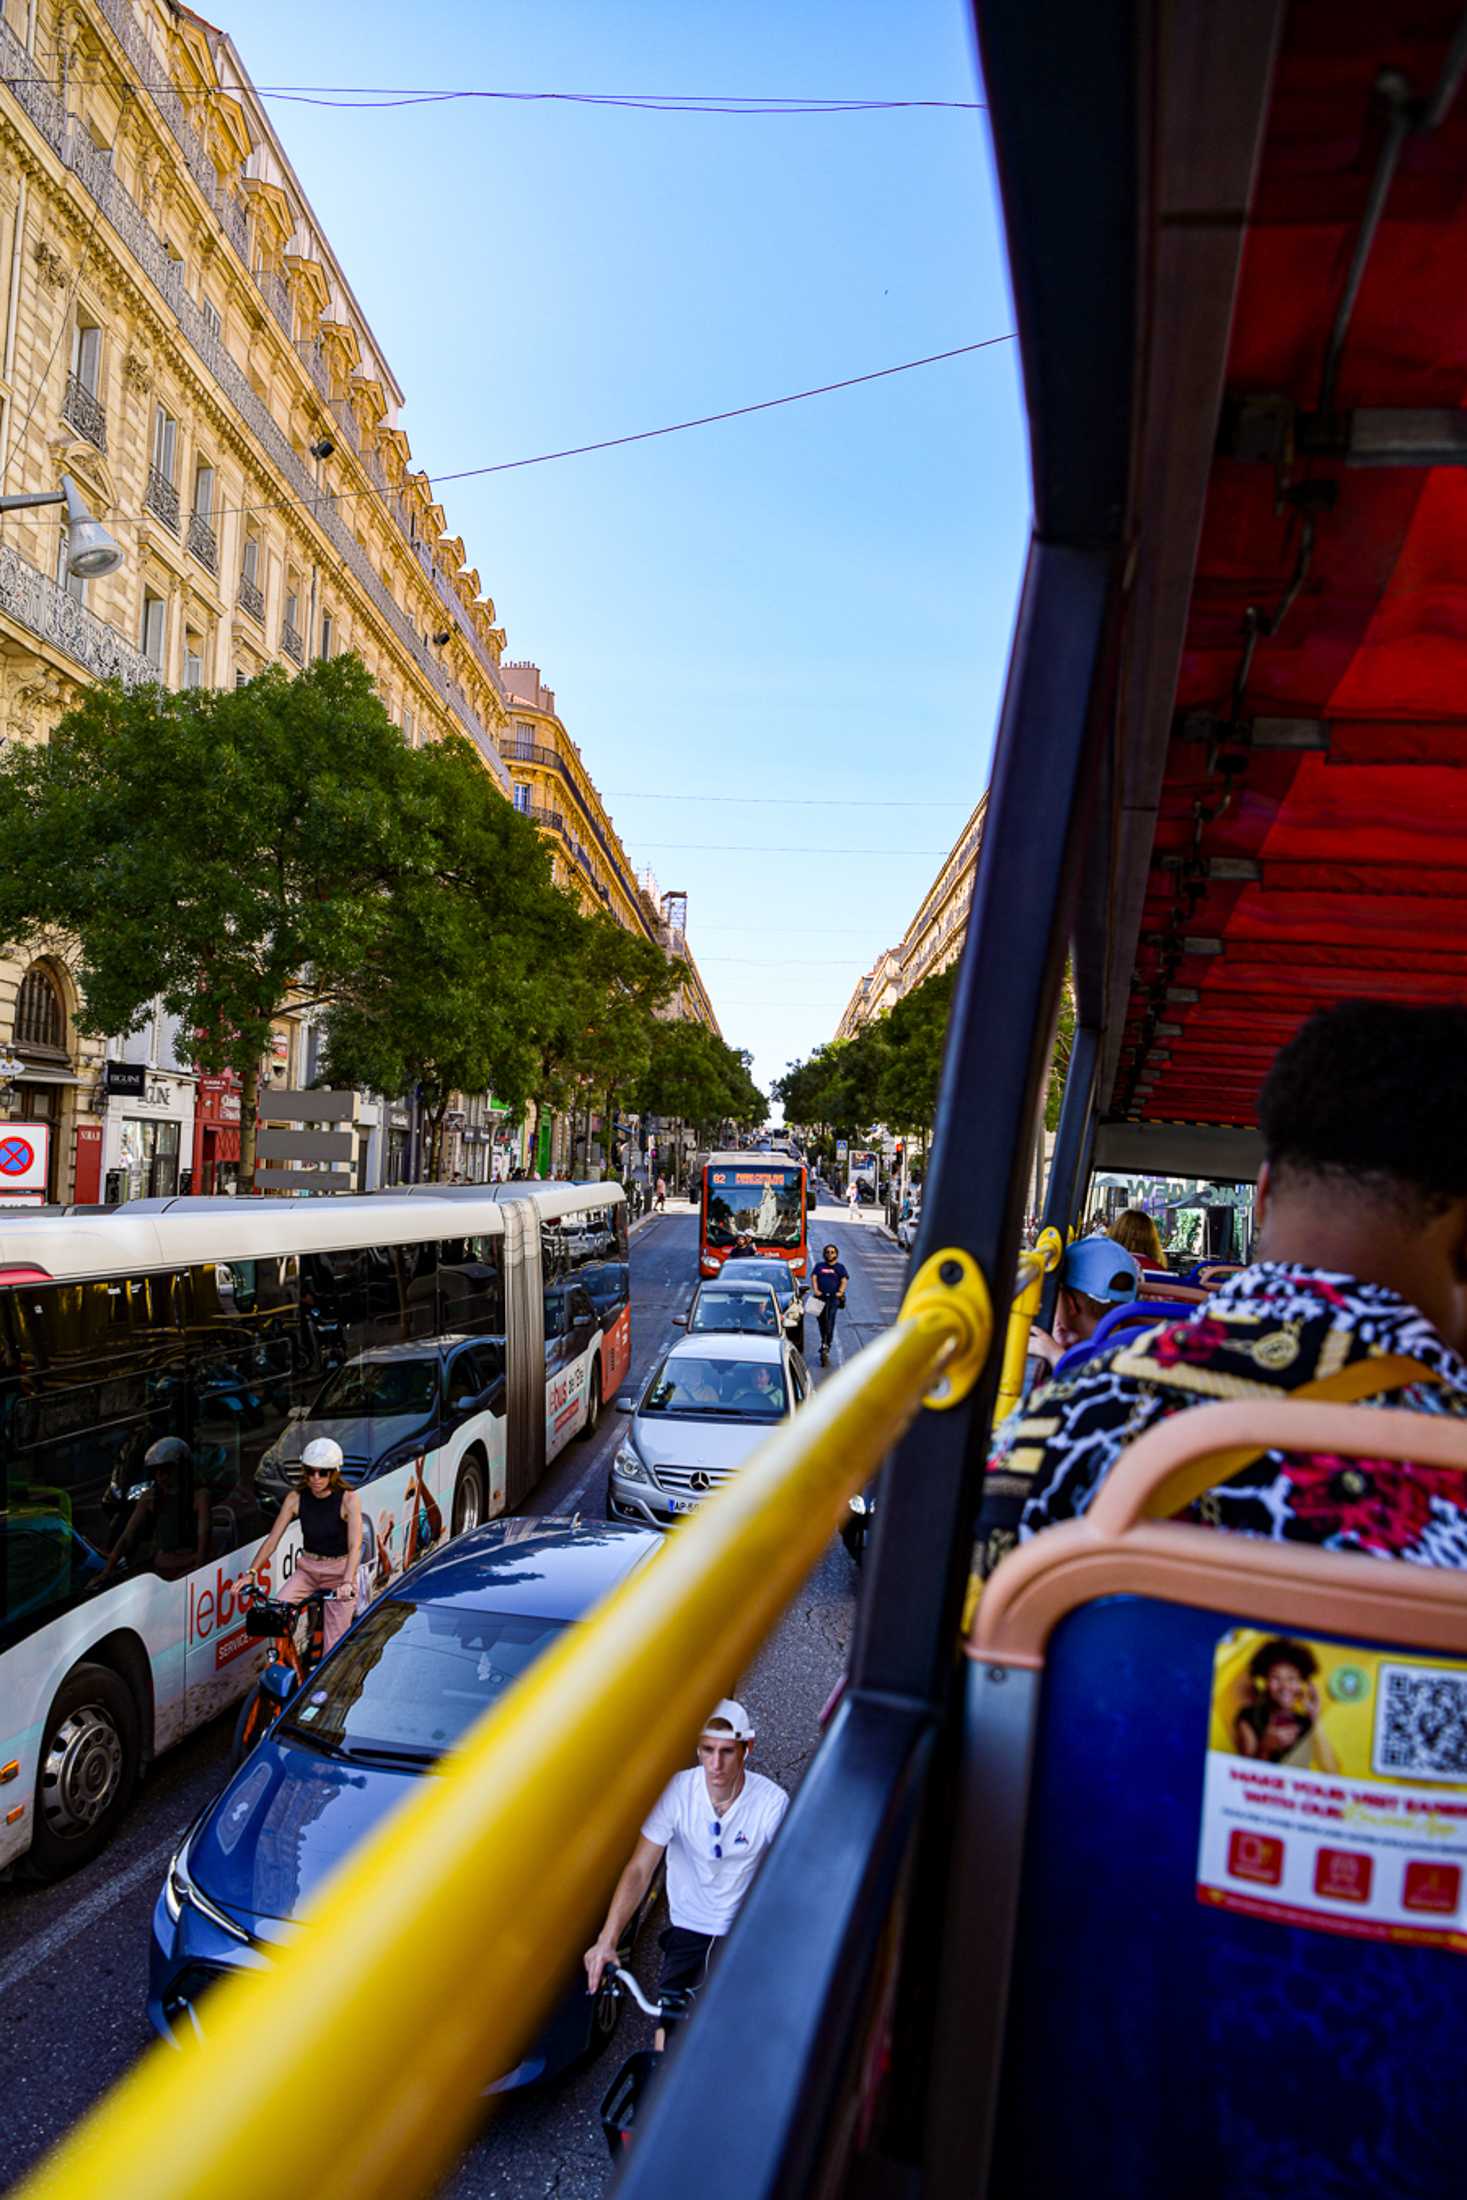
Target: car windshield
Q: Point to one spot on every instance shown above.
(412, 1677)
(772, 1272)
(379, 1386)
(742, 1389)
(753, 1309)
(763, 1202)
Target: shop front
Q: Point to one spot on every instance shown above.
(216, 1134)
(149, 1131)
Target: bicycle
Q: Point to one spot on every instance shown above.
(622, 2101)
(296, 1631)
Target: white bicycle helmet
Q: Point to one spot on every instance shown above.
(323, 1453)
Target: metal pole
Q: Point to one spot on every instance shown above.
(1077, 1110)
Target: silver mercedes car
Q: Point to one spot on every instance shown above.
(708, 1402)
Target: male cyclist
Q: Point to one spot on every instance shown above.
(828, 1291)
(713, 1824)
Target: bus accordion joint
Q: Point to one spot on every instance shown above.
(1043, 1258)
(949, 1290)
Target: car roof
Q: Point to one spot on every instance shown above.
(733, 1286)
(727, 1344)
(753, 1265)
(553, 1569)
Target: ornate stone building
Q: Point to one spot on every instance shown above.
(932, 940)
(178, 336)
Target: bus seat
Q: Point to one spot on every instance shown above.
(1136, 1314)
(1102, 2030)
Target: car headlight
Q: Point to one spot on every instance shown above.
(179, 1892)
(631, 1466)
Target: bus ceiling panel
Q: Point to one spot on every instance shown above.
(1178, 1149)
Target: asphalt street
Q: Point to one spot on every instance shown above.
(73, 1957)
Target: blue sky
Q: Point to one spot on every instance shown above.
(812, 605)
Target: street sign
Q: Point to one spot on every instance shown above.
(127, 1078)
(25, 1149)
(841, 1149)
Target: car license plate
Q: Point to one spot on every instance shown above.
(683, 1504)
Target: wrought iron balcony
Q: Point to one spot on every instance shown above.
(161, 497)
(82, 408)
(252, 600)
(291, 643)
(203, 542)
(50, 612)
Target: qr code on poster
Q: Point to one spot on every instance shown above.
(1421, 1723)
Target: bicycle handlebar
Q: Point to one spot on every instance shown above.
(626, 1982)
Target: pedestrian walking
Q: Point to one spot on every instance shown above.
(828, 1289)
(661, 1207)
(853, 1200)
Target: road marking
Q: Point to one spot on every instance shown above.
(83, 1915)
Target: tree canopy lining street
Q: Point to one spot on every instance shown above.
(238, 852)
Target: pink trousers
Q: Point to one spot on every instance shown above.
(311, 1574)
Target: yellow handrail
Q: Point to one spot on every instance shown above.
(435, 1952)
(1034, 1266)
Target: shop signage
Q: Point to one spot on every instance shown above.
(129, 1079)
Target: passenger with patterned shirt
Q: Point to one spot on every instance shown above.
(1362, 1228)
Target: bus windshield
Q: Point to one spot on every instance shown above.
(763, 1202)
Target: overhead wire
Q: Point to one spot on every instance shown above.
(367, 97)
(607, 443)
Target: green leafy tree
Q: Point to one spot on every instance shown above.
(459, 987)
(915, 1034)
(212, 847)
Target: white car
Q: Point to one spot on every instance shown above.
(908, 1227)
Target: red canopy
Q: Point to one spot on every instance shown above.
(1312, 838)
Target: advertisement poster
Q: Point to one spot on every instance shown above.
(1336, 1788)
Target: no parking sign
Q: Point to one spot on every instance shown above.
(25, 1149)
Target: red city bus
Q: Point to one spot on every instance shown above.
(753, 1195)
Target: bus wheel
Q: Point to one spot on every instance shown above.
(89, 1768)
(468, 1498)
(593, 1407)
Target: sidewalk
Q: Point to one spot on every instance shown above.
(833, 1216)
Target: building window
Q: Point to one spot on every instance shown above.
(193, 660)
(409, 727)
(82, 404)
(522, 799)
(212, 316)
(165, 444)
(241, 676)
(204, 490)
(328, 634)
(153, 638)
(40, 1017)
(251, 562)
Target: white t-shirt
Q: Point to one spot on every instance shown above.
(703, 1890)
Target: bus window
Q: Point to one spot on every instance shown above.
(471, 1287)
(91, 1375)
(240, 1335)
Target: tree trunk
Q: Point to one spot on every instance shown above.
(249, 1101)
(435, 1138)
(608, 1137)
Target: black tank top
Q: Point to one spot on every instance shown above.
(323, 1524)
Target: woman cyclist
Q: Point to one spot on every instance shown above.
(330, 1515)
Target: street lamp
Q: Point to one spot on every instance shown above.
(11, 1068)
(90, 550)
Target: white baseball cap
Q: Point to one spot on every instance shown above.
(734, 1715)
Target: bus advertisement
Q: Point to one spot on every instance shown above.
(451, 1344)
(753, 1196)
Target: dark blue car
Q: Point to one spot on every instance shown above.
(400, 1688)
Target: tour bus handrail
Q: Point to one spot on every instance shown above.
(436, 1950)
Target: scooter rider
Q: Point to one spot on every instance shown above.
(713, 1823)
(828, 1289)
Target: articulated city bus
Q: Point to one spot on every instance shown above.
(753, 1195)
(451, 1346)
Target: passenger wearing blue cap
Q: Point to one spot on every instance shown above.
(1095, 1275)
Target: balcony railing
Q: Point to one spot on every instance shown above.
(252, 600)
(276, 294)
(203, 542)
(291, 643)
(346, 420)
(82, 156)
(83, 409)
(313, 358)
(53, 615)
(162, 498)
